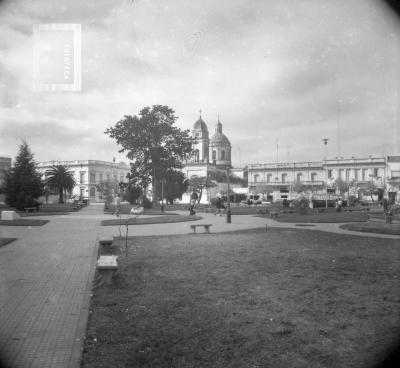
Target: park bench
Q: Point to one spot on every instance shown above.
(274, 214)
(107, 266)
(30, 209)
(206, 227)
(105, 245)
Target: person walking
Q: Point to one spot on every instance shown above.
(117, 204)
(220, 206)
(193, 198)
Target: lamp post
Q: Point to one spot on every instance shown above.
(325, 140)
(228, 203)
(162, 194)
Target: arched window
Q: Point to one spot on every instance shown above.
(299, 176)
(256, 176)
(222, 155)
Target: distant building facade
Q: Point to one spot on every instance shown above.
(316, 176)
(89, 173)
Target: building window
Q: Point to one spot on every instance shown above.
(214, 155)
(299, 177)
(121, 178)
(100, 177)
(82, 177)
(340, 173)
(356, 174)
(329, 173)
(376, 172)
(92, 178)
(256, 176)
(313, 177)
(108, 177)
(284, 176)
(269, 176)
(196, 155)
(364, 174)
(92, 191)
(222, 155)
(347, 174)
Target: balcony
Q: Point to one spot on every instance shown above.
(308, 183)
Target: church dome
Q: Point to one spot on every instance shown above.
(200, 125)
(219, 138)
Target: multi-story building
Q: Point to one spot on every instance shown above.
(278, 179)
(89, 173)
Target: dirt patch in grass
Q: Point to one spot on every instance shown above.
(23, 222)
(5, 241)
(282, 298)
(373, 227)
(323, 217)
(150, 220)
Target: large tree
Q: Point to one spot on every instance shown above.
(199, 184)
(153, 144)
(60, 179)
(23, 185)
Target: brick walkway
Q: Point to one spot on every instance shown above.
(45, 281)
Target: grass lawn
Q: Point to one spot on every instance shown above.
(150, 220)
(5, 241)
(374, 227)
(321, 217)
(23, 222)
(282, 298)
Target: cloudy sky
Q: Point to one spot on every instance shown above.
(281, 74)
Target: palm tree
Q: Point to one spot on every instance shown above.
(60, 178)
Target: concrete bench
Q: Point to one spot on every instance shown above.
(206, 227)
(273, 214)
(9, 215)
(30, 209)
(105, 244)
(107, 266)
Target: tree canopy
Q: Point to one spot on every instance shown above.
(23, 185)
(199, 183)
(61, 179)
(152, 142)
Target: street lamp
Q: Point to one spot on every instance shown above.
(325, 140)
(228, 203)
(163, 181)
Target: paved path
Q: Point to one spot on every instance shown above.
(45, 279)
(46, 275)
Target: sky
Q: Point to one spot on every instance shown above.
(282, 75)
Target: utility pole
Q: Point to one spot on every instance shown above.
(325, 140)
(228, 203)
(162, 194)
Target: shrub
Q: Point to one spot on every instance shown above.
(146, 203)
(302, 204)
